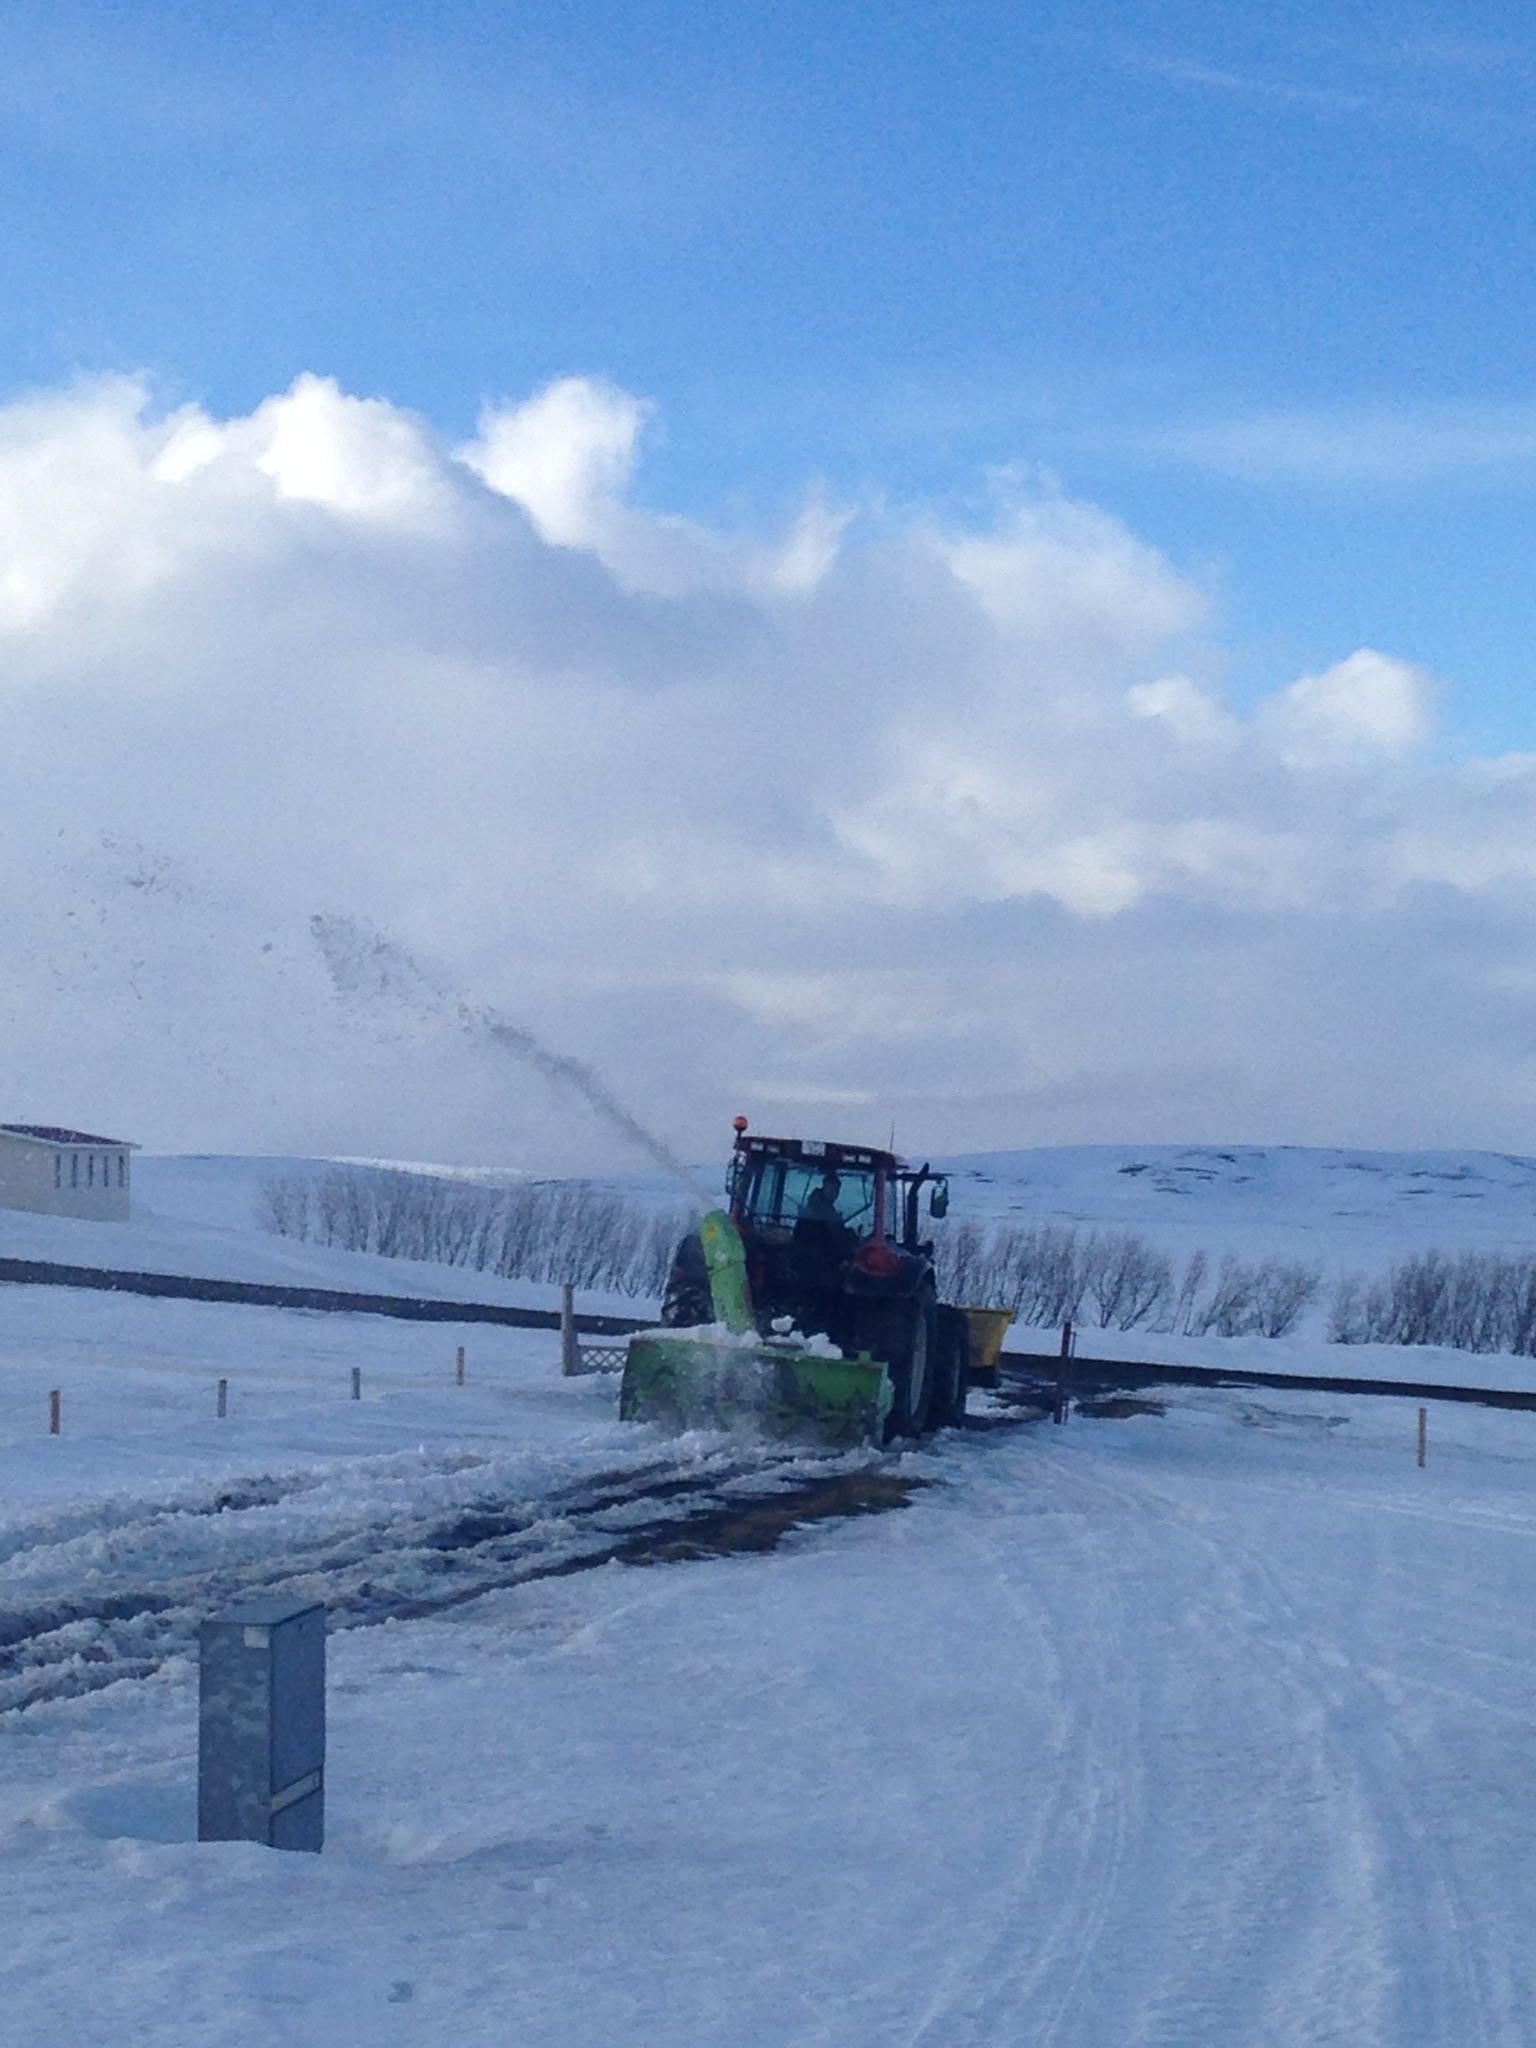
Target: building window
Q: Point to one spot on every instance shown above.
(74, 1169)
(58, 1169)
(122, 1169)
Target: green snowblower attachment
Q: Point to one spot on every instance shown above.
(725, 1257)
(719, 1378)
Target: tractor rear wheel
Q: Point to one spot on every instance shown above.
(904, 1334)
(952, 1376)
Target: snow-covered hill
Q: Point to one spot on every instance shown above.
(1338, 1207)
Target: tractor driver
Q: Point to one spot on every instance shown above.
(822, 1242)
(821, 1204)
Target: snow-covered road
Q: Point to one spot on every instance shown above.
(1214, 1727)
(1286, 1802)
(98, 1593)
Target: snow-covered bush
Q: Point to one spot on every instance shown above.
(1261, 1300)
(283, 1207)
(1284, 1291)
(1041, 1272)
(1126, 1282)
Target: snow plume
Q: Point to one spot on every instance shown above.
(879, 816)
(364, 964)
(574, 1074)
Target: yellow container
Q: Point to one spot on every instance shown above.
(989, 1326)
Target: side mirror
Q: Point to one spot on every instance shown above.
(938, 1201)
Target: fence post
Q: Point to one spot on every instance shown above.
(261, 1725)
(1423, 1434)
(223, 1400)
(357, 1383)
(570, 1349)
(458, 1370)
(1064, 1373)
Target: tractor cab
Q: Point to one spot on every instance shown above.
(822, 1239)
(824, 1223)
(776, 1184)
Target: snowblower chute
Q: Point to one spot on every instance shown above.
(809, 1310)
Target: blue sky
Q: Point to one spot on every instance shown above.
(1261, 286)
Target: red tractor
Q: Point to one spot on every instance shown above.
(833, 1247)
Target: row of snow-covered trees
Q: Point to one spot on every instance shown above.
(1469, 1301)
(1047, 1273)
(1474, 1301)
(1051, 1273)
(561, 1230)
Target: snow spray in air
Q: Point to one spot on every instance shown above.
(364, 964)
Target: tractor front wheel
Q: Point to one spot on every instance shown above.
(687, 1301)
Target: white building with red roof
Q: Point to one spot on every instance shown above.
(65, 1173)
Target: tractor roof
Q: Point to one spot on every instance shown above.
(820, 1151)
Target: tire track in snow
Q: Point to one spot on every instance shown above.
(1305, 1852)
(1449, 2001)
(1021, 1978)
(1358, 1955)
(1103, 1933)
(1436, 1951)
(60, 1640)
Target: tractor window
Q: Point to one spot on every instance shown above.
(784, 1190)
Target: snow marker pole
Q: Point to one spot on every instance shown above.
(1423, 1435)
(458, 1370)
(53, 1413)
(570, 1349)
(1062, 1373)
(222, 1405)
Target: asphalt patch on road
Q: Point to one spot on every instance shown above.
(762, 1525)
(1119, 1407)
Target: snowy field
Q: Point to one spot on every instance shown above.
(201, 1216)
(1208, 1726)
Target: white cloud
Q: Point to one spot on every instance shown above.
(952, 826)
(1071, 577)
(1195, 716)
(352, 455)
(1367, 704)
(566, 456)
